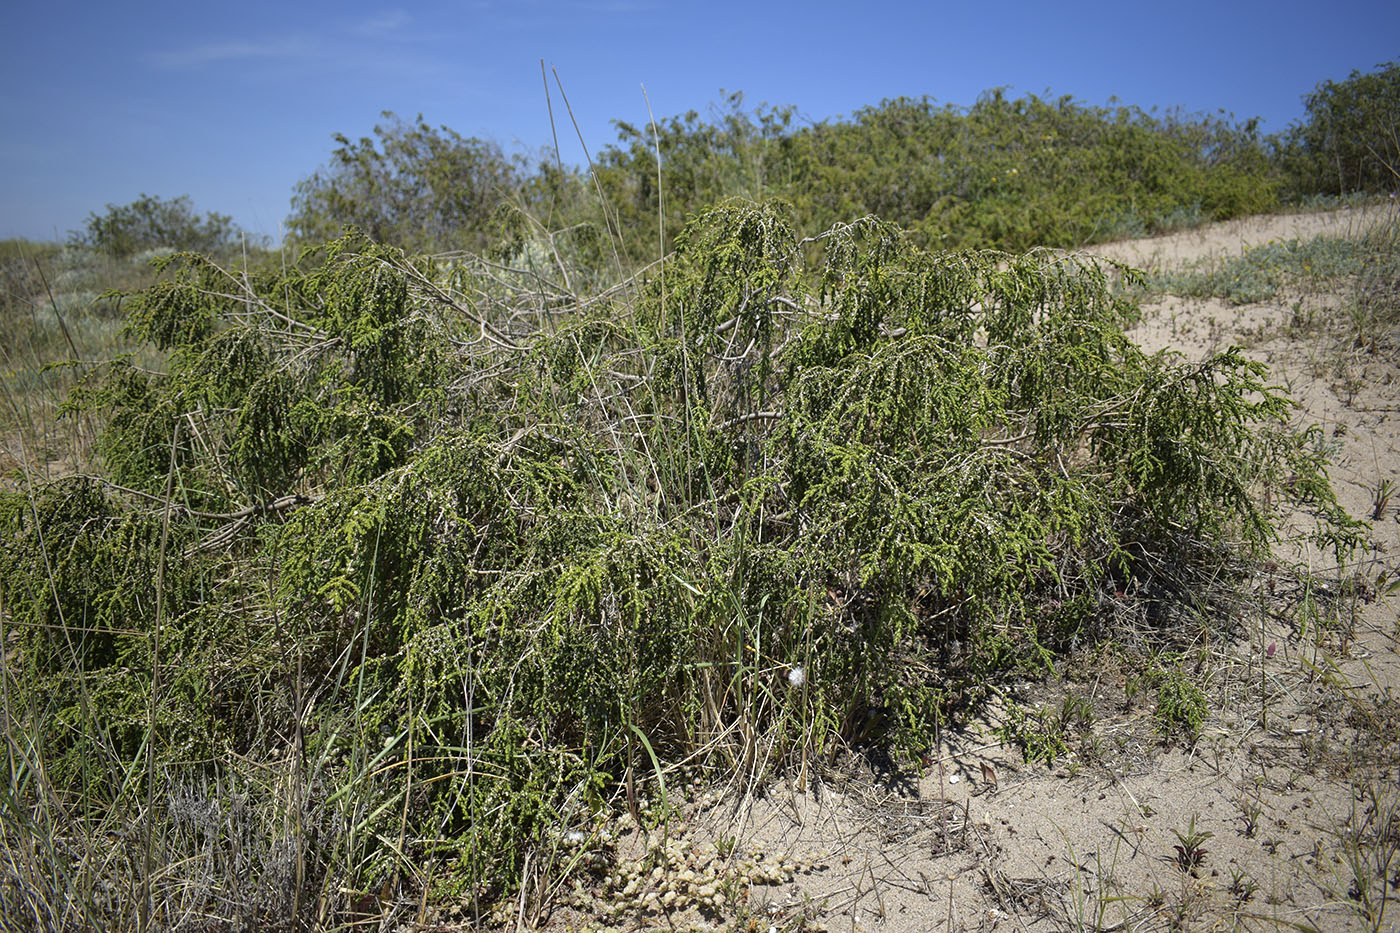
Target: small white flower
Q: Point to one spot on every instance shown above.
(953, 779)
(574, 838)
(797, 676)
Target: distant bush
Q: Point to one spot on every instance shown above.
(150, 222)
(1350, 140)
(1006, 173)
(1009, 173)
(411, 186)
(18, 249)
(734, 152)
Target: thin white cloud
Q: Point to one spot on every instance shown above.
(384, 24)
(617, 7)
(402, 51)
(212, 53)
(591, 7)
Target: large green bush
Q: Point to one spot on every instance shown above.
(428, 564)
(1008, 173)
(1017, 173)
(1005, 173)
(1350, 139)
(413, 186)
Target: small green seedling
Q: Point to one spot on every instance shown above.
(1250, 811)
(1381, 501)
(1190, 855)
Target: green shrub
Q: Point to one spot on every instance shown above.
(1010, 173)
(411, 186)
(1181, 706)
(456, 562)
(1007, 173)
(1350, 139)
(151, 223)
(1045, 734)
(1038, 736)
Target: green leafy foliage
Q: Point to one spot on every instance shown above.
(733, 153)
(1024, 172)
(1009, 173)
(412, 186)
(462, 551)
(1181, 707)
(1350, 139)
(341, 389)
(1045, 734)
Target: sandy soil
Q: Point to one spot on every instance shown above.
(1232, 237)
(1294, 775)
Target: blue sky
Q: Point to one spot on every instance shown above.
(233, 103)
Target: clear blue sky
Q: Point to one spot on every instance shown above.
(232, 103)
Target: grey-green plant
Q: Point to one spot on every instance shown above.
(1370, 853)
(1263, 272)
(1250, 812)
(1242, 886)
(1380, 500)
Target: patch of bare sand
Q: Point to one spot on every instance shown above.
(1294, 777)
(1232, 237)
